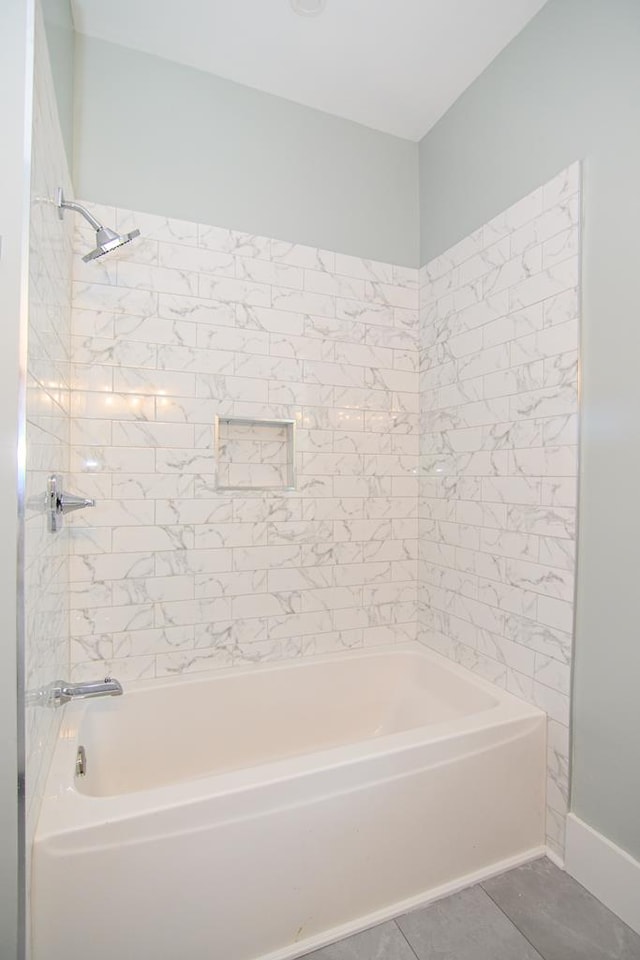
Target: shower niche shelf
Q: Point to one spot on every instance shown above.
(255, 454)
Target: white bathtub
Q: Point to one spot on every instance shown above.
(266, 811)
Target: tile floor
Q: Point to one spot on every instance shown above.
(535, 912)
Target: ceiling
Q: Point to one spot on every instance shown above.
(394, 65)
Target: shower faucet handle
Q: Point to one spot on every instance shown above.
(59, 503)
(67, 502)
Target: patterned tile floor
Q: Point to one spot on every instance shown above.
(535, 912)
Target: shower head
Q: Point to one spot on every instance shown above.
(106, 239)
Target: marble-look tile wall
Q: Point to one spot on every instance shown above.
(499, 398)
(170, 575)
(46, 571)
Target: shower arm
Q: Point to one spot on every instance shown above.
(63, 205)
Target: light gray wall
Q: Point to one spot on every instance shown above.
(60, 40)
(16, 67)
(156, 136)
(568, 87)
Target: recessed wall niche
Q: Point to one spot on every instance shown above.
(255, 454)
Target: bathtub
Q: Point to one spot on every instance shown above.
(263, 812)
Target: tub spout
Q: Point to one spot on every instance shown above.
(60, 691)
(96, 688)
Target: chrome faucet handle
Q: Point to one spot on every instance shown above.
(67, 502)
(60, 503)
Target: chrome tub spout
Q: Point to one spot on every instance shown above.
(60, 692)
(95, 688)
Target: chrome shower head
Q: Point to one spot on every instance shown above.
(106, 239)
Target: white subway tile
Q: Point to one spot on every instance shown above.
(547, 521)
(549, 283)
(298, 255)
(111, 619)
(560, 338)
(561, 308)
(270, 272)
(141, 276)
(366, 312)
(556, 613)
(133, 539)
(232, 241)
(178, 612)
(179, 256)
(195, 309)
(317, 304)
(185, 560)
(548, 461)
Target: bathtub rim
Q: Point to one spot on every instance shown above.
(300, 663)
(148, 685)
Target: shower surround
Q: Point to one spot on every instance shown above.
(170, 575)
(499, 434)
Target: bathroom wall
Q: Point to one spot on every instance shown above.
(170, 575)
(499, 433)
(568, 86)
(46, 570)
(219, 152)
(58, 22)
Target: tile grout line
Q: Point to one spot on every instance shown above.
(513, 923)
(405, 938)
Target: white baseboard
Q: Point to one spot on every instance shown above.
(607, 871)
